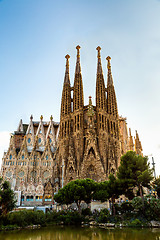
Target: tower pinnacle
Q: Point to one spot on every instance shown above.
(99, 65)
(67, 78)
(110, 80)
(78, 66)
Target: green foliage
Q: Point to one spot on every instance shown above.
(134, 171)
(156, 186)
(135, 223)
(76, 191)
(7, 201)
(103, 216)
(26, 217)
(125, 208)
(70, 218)
(137, 204)
(86, 212)
(151, 207)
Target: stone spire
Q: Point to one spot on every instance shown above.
(99, 65)
(67, 77)
(111, 96)
(110, 79)
(138, 146)
(131, 144)
(78, 65)
(100, 86)
(66, 94)
(78, 101)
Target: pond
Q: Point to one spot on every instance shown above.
(81, 233)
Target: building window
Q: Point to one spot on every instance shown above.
(10, 157)
(29, 140)
(39, 140)
(50, 140)
(29, 198)
(47, 157)
(22, 157)
(39, 198)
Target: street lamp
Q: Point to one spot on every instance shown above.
(153, 163)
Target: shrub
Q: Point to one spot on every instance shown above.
(25, 218)
(126, 207)
(86, 212)
(103, 216)
(135, 223)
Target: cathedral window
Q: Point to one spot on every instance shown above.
(47, 157)
(50, 140)
(29, 140)
(22, 157)
(39, 140)
(108, 126)
(10, 157)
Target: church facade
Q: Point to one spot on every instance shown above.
(87, 143)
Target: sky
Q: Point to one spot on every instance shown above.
(36, 35)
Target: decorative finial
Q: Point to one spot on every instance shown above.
(99, 49)
(90, 100)
(67, 63)
(31, 117)
(41, 117)
(109, 63)
(78, 51)
(51, 118)
(67, 56)
(66, 78)
(78, 67)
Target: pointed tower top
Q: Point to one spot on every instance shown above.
(110, 80)
(99, 65)
(78, 66)
(31, 117)
(51, 118)
(90, 100)
(99, 49)
(67, 78)
(78, 52)
(41, 117)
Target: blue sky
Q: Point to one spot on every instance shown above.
(36, 35)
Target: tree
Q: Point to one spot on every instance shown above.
(114, 190)
(134, 171)
(156, 186)
(101, 192)
(7, 201)
(76, 191)
(110, 189)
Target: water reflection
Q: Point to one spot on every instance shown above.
(73, 233)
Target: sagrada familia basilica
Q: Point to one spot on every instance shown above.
(88, 142)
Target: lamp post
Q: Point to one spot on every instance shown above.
(153, 163)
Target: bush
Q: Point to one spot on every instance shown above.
(25, 218)
(70, 218)
(135, 223)
(86, 212)
(103, 216)
(126, 207)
